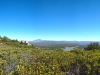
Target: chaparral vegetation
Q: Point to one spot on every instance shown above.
(18, 59)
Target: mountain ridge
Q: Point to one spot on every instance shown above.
(59, 44)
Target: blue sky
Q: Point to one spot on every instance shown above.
(50, 19)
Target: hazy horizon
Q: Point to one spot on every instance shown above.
(50, 19)
(62, 40)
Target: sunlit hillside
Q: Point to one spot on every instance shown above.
(18, 59)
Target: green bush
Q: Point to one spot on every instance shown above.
(92, 46)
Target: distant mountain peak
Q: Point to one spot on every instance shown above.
(38, 40)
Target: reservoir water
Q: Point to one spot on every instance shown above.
(68, 48)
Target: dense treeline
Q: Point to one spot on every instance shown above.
(93, 46)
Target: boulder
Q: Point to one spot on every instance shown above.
(22, 42)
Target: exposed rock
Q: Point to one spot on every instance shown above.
(25, 42)
(22, 42)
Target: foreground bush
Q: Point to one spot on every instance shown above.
(27, 61)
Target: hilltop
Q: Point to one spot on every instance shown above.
(7, 42)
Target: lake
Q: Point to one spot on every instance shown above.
(68, 48)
